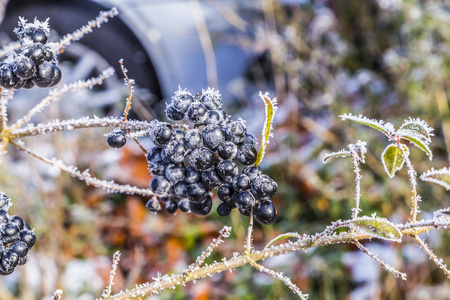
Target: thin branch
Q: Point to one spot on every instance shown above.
(432, 256)
(412, 180)
(224, 233)
(388, 267)
(281, 277)
(85, 122)
(116, 259)
(108, 186)
(102, 18)
(358, 177)
(242, 260)
(6, 95)
(248, 246)
(55, 94)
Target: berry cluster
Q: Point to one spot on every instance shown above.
(187, 164)
(35, 65)
(16, 239)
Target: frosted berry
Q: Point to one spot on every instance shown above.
(227, 169)
(235, 132)
(4, 217)
(241, 183)
(10, 230)
(196, 113)
(116, 139)
(159, 185)
(24, 67)
(201, 208)
(249, 140)
(174, 172)
(215, 117)
(17, 221)
(179, 135)
(212, 136)
(252, 172)
(9, 260)
(153, 205)
(175, 150)
(4, 202)
(183, 205)
(173, 114)
(227, 150)
(192, 175)
(264, 188)
(246, 154)
(202, 159)
(182, 100)
(211, 100)
(197, 192)
(157, 168)
(171, 206)
(28, 237)
(161, 134)
(38, 36)
(245, 211)
(223, 209)
(154, 154)
(29, 84)
(265, 212)
(8, 79)
(194, 139)
(24, 260)
(245, 200)
(180, 188)
(37, 53)
(19, 247)
(45, 74)
(211, 179)
(225, 192)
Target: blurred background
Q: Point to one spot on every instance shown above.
(386, 59)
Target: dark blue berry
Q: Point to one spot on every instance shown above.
(173, 114)
(24, 260)
(19, 247)
(245, 200)
(175, 150)
(10, 230)
(18, 221)
(249, 140)
(179, 135)
(9, 260)
(223, 209)
(194, 139)
(202, 159)
(265, 212)
(245, 211)
(153, 205)
(116, 139)
(246, 154)
(171, 206)
(8, 79)
(227, 150)
(192, 175)
(197, 192)
(211, 179)
(24, 67)
(181, 101)
(252, 172)
(264, 188)
(215, 117)
(227, 169)
(225, 192)
(4, 217)
(211, 100)
(154, 154)
(159, 185)
(196, 113)
(161, 134)
(46, 75)
(180, 188)
(235, 132)
(241, 183)
(4, 202)
(28, 237)
(212, 136)
(201, 208)
(183, 205)
(37, 36)
(157, 168)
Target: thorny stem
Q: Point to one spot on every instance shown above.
(358, 185)
(242, 260)
(109, 186)
(432, 256)
(412, 181)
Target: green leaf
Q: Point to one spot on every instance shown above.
(341, 153)
(376, 227)
(282, 237)
(271, 108)
(416, 140)
(392, 159)
(441, 177)
(418, 128)
(386, 128)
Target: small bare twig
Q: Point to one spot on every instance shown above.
(388, 267)
(432, 256)
(412, 180)
(358, 177)
(248, 246)
(116, 259)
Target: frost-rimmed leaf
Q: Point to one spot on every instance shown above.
(441, 177)
(417, 140)
(442, 213)
(392, 159)
(282, 237)
(386, 128)
(359, 150)
(271, 108)
(377, 227)
(342, 153)
(419, 127)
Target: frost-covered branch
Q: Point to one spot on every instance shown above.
(108, 186)
(116, 259)
(432, 256)
(413, 182)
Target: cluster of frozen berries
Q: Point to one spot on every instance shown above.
(187, 164)
(35, 64)
(16, 239)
